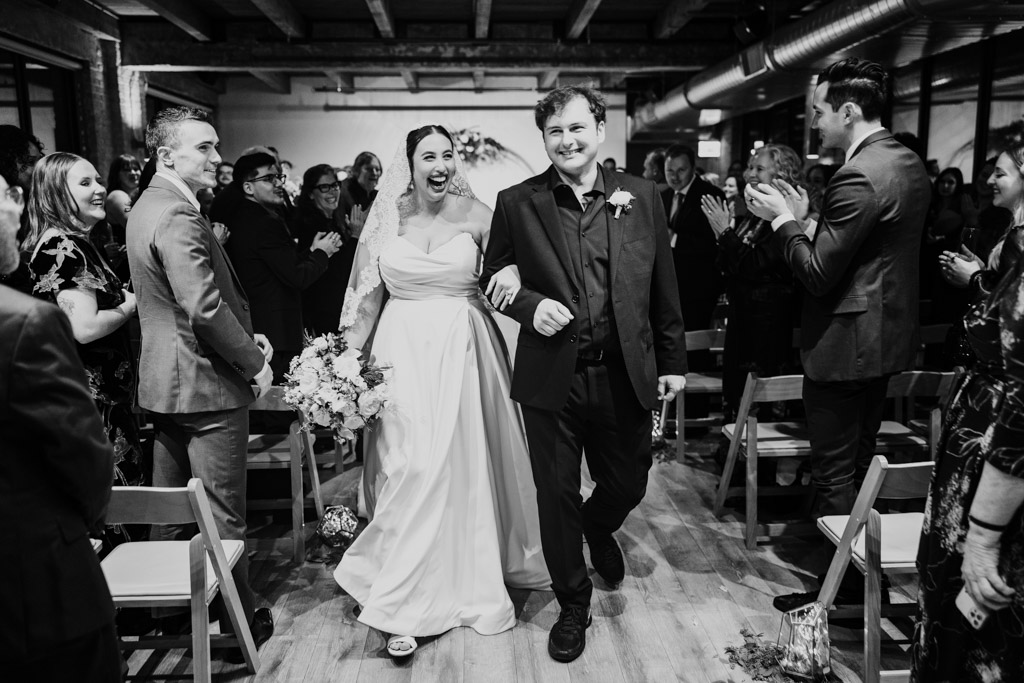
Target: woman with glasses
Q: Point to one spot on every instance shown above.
(316, 211)
(66, 203)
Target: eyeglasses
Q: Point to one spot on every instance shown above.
(273, 178)
(328, 187)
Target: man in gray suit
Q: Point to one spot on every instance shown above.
(860, 318)
(199, 353)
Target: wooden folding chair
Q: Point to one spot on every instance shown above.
(888, 545)
(789, 439)
(288, 454)
(697, 382)
(907, 387)
(178, 573)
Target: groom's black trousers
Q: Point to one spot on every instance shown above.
(603, 418)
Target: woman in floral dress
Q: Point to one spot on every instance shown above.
(973, 535)
(67, 201)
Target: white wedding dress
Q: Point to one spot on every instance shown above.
(447, 479)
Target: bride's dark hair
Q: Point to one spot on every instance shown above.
(415, 137)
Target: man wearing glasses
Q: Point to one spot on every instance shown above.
(272, 270)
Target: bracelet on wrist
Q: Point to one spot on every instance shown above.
(974, 279)
(985, 525)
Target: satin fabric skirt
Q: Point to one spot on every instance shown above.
(447, 482)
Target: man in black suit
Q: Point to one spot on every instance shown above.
(271, 268)
(55, 474)
(694, 252)
(601, 341)
(860, 320)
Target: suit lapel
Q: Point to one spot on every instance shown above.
(544, 203)
(617, 227)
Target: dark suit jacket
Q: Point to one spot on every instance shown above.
(694, 255)
(526, 231)
(198, 353)
(273, 272)
(860, 317)
(56, 468)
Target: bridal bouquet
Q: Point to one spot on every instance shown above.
(335, 388)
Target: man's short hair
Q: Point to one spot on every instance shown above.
(556, 100)
(247, 166)
(676, 151)
(859, 81)
(162, 130)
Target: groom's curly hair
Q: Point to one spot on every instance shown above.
(556, 100)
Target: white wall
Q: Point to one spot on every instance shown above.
(310, 127)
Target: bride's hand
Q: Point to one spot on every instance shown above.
(503, 287)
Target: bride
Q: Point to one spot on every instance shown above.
(447, 480)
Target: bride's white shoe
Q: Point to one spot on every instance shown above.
(401, 646)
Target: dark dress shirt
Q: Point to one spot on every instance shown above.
(586, 231)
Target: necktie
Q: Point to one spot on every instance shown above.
(677, 201)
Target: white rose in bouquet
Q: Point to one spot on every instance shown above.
(322, 417)
(369, 403)
(319, 344)
(308, 381)
(347, 367)
(354, 422)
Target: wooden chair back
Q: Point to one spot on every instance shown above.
(702, 340)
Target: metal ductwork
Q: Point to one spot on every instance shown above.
(797, 47)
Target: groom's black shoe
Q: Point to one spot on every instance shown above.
(606, 557)
(569, 634)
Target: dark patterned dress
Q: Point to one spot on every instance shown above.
(985, 423)
(69, 261)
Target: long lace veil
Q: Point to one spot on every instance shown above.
(396, 200)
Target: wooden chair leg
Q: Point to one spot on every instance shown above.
(873, 599)
(201, 665)
(751, 485)
(681, 425)
(727, 470)
(314, 474)
(295, 470)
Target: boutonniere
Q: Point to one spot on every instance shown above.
(621, 200)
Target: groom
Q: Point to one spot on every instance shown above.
(601, 341)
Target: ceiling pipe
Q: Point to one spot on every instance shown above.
(839, 25)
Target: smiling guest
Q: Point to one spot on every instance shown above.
(317, 208)
(65, 205)
(860, 322)
(272, 269)
(199, 353)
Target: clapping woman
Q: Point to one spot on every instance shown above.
(66, 203)
(973, 534)
(759, 284)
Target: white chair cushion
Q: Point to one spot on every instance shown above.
(901, 534)
(159, 568)
(791, 438)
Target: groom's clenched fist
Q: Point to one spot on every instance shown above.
(550, 317)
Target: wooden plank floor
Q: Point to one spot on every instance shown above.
(690, 586)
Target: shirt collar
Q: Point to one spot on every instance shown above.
(180, 184)
(555, 180)
(855, 147)
(686, 190)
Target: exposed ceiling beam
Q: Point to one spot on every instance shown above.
(547, 80)
(411, 81)
(483, 18)
(278, 82)
(478, 80)
(284, 15)
(144, 50)
(676, 15)
(344, 82)
(87, 17)
(184, 15)
(579, 16)
(184, 85)
(382, 17)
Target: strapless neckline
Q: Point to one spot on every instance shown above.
(436, 249)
